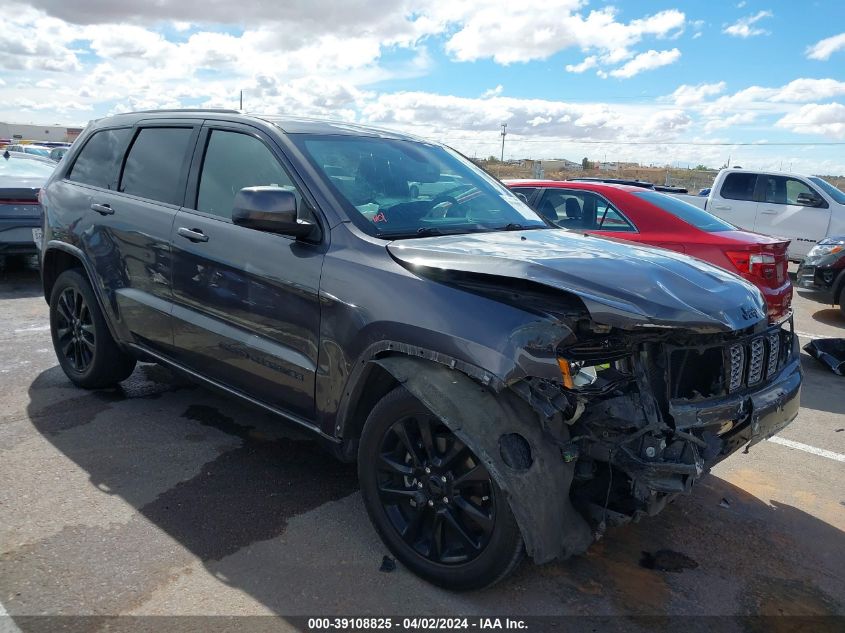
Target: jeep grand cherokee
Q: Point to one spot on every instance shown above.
(504, 386)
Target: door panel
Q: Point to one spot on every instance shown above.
(246, 308)
(246, 311)
(779, 215)
(735, 200)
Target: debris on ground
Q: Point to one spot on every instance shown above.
(724, 503)
(829, 351)
(387, 564)
(667, 560)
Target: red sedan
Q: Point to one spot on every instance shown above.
(649, 217)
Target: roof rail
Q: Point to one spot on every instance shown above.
(165, 110)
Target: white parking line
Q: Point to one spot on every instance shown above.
(808, 449)
(7, 624)
(37, 328)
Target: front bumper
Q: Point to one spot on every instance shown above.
(821, 280)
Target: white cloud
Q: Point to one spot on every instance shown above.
(493, 92)
(823, 49)
(589, 62)
(827, 119)
(686, 95)
(510, 33)
(744, 27)
(711, 125)
(647, 61)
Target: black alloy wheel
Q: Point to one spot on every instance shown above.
(436, 493)
(76, 339)
(432, 499)
(86, 351)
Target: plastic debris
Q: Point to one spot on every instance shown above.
(829, 351)
(387, 564)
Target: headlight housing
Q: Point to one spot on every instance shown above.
(827, 246)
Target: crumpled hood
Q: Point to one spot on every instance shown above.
(622, 284)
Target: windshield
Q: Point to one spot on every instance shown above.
(38, 151)
(399, 189)
(685, 211)
(829, 189)
(25, 168)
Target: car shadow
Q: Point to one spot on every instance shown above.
(830, 316)
(820, 386)
(271, 515)
(19, 278)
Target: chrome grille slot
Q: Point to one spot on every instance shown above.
(755, 360)
(774, 354)
(737, 359)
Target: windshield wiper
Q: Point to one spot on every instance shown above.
(428, 230)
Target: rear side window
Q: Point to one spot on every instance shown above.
(739, 186)
(685, 211)
(156, 163)
(98, 161)
(234, 161)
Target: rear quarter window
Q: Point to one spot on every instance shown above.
(98, 161)
(685, 211)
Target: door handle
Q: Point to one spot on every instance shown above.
(722, 207)
(102, 209)
(195, 235)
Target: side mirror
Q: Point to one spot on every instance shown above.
(270, 209)
(808, 200)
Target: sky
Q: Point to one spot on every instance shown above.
(761, 84)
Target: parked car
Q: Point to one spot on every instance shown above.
(653, 218)
(504, 387)
(617, 181)
(35, 150)
(823, 271)
(802, 209)
(57, 153)
(445, 183)
(21, 177)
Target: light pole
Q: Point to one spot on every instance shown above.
(504, 134)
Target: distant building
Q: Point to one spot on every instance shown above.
(26, 132)
(556, 164)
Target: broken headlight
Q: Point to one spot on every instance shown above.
(583, 374)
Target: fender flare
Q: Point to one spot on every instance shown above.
(539, 494)
(88, 267)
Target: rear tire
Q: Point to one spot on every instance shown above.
(432, 500)
(84, 346)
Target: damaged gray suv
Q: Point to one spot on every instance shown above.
(505, 387)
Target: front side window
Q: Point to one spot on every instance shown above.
(155, 164)
(234, 161)
(99, 159)
(783, 190)
(581, 211)
(398, 189)
(739, 186)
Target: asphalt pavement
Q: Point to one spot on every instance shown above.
(164, 498)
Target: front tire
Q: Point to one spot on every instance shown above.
(432, 500)
(84, 346)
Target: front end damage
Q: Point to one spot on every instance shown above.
(648, 414)
(636, 371)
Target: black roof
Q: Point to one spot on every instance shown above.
(617, 181)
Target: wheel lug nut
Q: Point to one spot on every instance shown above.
(430, 502)
(419, 484)
(443, 479)
(445, 499)
(427, 470)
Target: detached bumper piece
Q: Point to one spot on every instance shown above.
(830, 352)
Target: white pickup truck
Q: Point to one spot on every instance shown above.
(803, 209)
